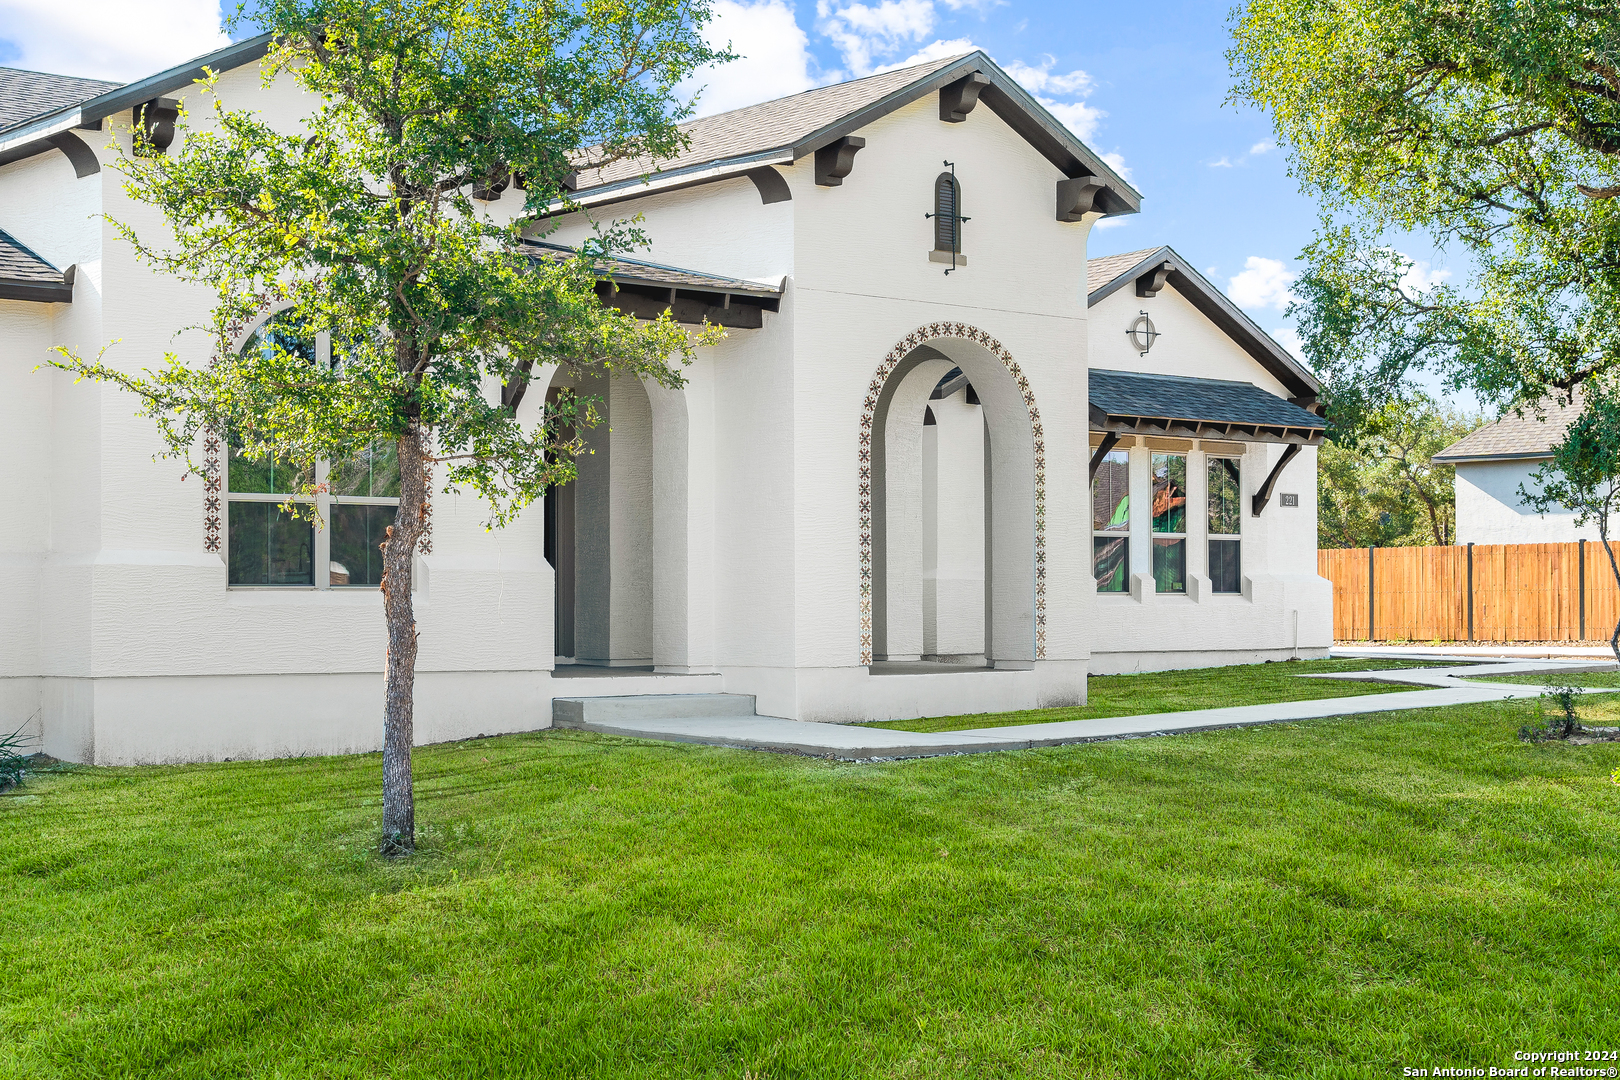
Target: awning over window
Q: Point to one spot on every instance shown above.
(1135, 404)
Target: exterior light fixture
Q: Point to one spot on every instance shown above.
(1142, 333)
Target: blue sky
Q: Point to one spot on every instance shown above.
(1145, 85)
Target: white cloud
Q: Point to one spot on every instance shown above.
(773, 56)
(983, 7)
(1264, 146)
(1117, 163)
(1262, 283)
(109, 39)
(1115, 222)
(1048, 86)
(1042, 80)
(1420, 277)
(1289, 338)
(864, 34)
(1077, 116)
(936, 51)
(1223, 163)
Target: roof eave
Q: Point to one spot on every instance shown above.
(38, 292)
(93, 110)
(1482, 459)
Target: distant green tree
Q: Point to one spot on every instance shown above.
(1378, 484)
(1492, 126)
(1584, 474)
(361, 222)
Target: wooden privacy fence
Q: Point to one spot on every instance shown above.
(1479, 592)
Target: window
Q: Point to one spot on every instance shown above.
(267, 546)
(1111, 523)
(1225, 525)
(1170, 523)
(947, 213)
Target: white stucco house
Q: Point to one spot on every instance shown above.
(942, 463)
(1495, 462)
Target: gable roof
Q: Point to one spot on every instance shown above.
(1108, 274)
(787, 129)
(27, 94)
(26, 276)
(1515, 437)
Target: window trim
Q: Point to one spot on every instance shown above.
(1112, 534)
(1154, 535)
(323, 500)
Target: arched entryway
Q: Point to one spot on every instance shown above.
(617, 535)
(894, 490)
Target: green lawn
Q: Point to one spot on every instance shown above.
(1596, 710)
(1178, 691)
(1334, 898)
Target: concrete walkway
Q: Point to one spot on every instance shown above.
(1441, 686)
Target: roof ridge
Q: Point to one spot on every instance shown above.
(937, 63)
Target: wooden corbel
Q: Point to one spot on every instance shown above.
(155, 121)
(957, 99)
(492, 186)
(1109, 441)
(1149, 284)
(836, 160)
(1078, 197)
(1263, 496)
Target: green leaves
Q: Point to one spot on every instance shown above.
(1494, 128)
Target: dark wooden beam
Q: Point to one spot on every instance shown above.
(84, 160)
(1110, 438)
(1149, 284)
(1078, 197)
(770, 185)
(156, 120)
(836, 160)
(1263, 496)
(958, 98)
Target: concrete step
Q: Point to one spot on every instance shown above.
(581, 711)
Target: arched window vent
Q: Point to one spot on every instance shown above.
(948, 219)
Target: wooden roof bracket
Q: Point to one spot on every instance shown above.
(957, 99)
(836, 160)
(1263, 496)
(1108, 442)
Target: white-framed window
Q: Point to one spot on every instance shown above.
(1111, 523)
(1169, 523)
(1225, 524)
(357, 500)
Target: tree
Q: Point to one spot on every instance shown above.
(360, 224)
(1583, 474)
(1495, 128)
(1378, 485)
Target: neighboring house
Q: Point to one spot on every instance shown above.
(1493, 463)
(869, 501)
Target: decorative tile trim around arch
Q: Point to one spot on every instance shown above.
(921, 336)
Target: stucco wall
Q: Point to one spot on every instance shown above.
(1491, 511)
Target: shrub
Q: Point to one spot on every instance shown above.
(12, 761)
(1560, 715)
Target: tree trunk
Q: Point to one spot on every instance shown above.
(1603, 534)
(399, 802)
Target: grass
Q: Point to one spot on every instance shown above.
(1179, 691)
(1596, 710)
(1335, 898)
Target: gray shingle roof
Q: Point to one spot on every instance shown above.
(1169, 402)
(1105, 268)
(640, 272)
(770, 124)
(27, 94)
(1527, 436)
(26, 276)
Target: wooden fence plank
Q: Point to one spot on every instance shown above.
(1521, 592)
